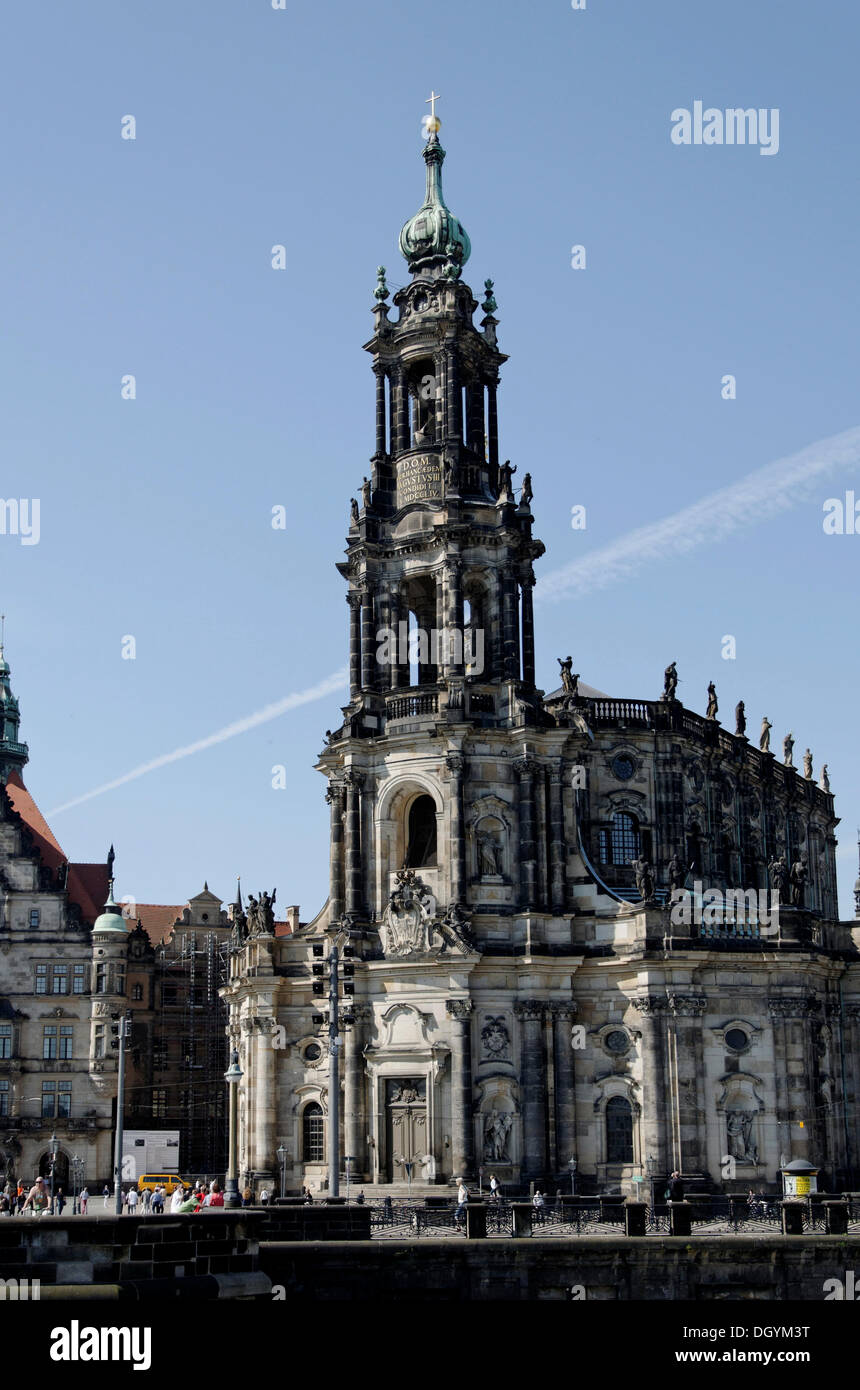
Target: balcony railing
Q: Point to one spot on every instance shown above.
(408, 706)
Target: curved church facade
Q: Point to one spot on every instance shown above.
(583, 934)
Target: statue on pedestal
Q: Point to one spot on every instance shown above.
(670, 682)
(764, 736)
(712, 702)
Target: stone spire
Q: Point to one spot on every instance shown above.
(13, 755)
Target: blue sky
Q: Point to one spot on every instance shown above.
(302, 127)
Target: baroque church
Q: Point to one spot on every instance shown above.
(524, 996)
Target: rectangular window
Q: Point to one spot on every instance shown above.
(120, 979)
(49, 1099)
(60, 983)
(64, 1100)
(99, 1040)
(35, 916)
(79, 980)
(5, 1040)
(66, 1041)
(101, 979)
(49, 1042)
(41, 979)
(159, 1105)
(4, 1097)
(159, 1054)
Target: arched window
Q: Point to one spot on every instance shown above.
(137, 992)
(623, 838)
(313, 1134)
(421, 843)
(619, 1131)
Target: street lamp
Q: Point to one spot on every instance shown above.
(53, 1145)
(233, 1075)
(282, 1159)
(76, 1167)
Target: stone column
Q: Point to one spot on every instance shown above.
(354, 904)
(533, 1088)
(684, 1037)
(368, 641)
(565, 1082)
(453, 400)
(462, 1123)
(334, 797)
(395, 673)
(527, 581)
(525, 771)
(401, 410)
(354, 1109)
(454, 591)
(652, 1009)
(380, 410)
(557, 853)
(493, 430)
(457, 853)
(354, 600)
(264, 1096)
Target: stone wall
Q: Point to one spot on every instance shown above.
(734, 1267)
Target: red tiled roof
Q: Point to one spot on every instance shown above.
(88, 887)
(23, 803)
(87, 884)
(157, 919)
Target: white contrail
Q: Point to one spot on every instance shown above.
(756, 498)
(336, 681)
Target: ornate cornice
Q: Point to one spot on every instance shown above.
(562, 1009)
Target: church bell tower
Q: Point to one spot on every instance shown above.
(439, 567)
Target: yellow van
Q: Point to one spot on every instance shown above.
(169, 1181)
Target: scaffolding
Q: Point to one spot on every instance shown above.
(190, 1052)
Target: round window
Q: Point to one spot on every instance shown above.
(623, 768)
(313, 1052)
(616, 1041)
(736, 1039)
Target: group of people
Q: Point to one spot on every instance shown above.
(15, 1199)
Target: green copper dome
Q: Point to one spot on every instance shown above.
(433, 240)
(111, 919)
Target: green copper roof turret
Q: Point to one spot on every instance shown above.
(13, 755)
(433, 241)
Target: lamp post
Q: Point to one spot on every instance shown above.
(282, 1159)
(120, 1031)
(53, 1145)
(571, 1163)
(233, 1075)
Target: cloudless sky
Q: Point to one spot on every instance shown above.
(301, 127)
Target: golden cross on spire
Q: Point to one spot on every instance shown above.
(431, 102)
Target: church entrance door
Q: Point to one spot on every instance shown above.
(406, 1115)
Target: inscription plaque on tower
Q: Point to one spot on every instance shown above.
(418, 479)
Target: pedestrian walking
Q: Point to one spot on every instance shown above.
(462, 1200)
(20, 1198)
(494, 1187)
(106, 1194)
(82, 1201)
(131, 1200)
(247, 1197)
(675, 1190)
(37, 1199)
(216, 1196)
(539, 1204)
(264, 1197)
(146, 1200)
(59, 1201)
